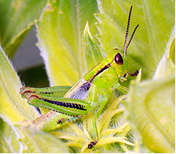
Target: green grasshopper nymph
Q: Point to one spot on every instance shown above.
(89, 94)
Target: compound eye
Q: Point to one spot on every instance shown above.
(118, 59)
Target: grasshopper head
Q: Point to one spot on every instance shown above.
(119, 62)
(119, 57)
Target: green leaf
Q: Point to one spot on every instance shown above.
(25, 139)
(60, 33)
(167, 63)
(9, 138)
(90, 52)
(156, 21)
(13, 107)
(16, 19)
(35, 141)
(151, 113)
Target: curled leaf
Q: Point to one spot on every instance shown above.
(37, 141)
(151, 113)
(13, 108)
(9, 138)
(167, 64)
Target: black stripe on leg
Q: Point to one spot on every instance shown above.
(70, 105)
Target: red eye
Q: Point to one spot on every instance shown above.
(118, 59)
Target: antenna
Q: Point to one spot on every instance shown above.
(126, 47)
(128, 24)
(131, 37)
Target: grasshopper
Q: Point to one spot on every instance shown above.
(89, 94)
